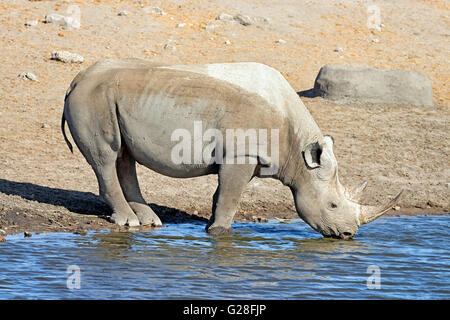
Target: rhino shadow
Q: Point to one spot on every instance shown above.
(83, 202)
(310, 93)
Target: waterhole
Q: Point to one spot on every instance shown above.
(400, 257)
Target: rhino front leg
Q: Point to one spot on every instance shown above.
(126, 171)
(233, 179)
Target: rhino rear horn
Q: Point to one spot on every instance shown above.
(353, 194)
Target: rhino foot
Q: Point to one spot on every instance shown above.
(146, 216)
(219, 230)
(123, 219)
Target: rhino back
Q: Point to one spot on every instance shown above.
(154, 103)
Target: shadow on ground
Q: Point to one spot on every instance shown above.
(81, 202)
(310, 93)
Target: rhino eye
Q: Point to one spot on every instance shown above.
(333, 205)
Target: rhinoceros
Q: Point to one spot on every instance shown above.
(120, 112)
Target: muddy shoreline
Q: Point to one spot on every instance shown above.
(19, 220)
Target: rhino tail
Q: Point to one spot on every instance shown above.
(63, 122)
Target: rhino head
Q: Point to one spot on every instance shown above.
(322, 201)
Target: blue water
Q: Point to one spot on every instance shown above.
(399, 257)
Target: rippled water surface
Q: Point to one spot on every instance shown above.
(404, 257)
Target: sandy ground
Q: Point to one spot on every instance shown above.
(43, 187)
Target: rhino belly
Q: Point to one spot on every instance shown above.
(153, 129)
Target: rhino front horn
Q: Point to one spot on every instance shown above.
(369, 213)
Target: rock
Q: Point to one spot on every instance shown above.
(259, 219)
(27, 234)
(375, 40)
(170, 47)
(211, 25)
(338, 49)
(123, 13)
(244, 20)
(67, 57)
(69, 23)
(2, 238)
(362, 84)
(155, 10)
(45, 126)
(181, 25)
(28, 76)
(396, 208)
(225, 17)
(259, 20)
(31, 23)
(228, 42)
(280, 41)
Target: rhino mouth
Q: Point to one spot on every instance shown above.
(340, 236)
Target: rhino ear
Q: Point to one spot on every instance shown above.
(329, 140)
(312, 154)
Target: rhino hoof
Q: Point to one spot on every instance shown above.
(219, 231)
(124, 220)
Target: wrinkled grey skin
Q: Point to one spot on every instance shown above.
(123, 111)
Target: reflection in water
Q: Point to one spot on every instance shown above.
(259, 261)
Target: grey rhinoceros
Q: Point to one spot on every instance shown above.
(123, 111)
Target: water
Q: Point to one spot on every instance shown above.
(405, 257)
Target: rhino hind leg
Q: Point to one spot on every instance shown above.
(126, 171)
(111, 193)
(233, 178)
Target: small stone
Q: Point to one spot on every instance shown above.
(27, 234)
(280, 41)
(375, 40)
(228, 42)
(211, 25)
(338, 49)
(261, 20)
(181, 25)
(67, 57)
(225, 16)
(2, 238)
(45, 126)
(69, 23)
(242, 19)
(155, 10)
(123, 13)
(170, 47)
(31, 23)
(195, 212)
(28, 76)
(396, 208)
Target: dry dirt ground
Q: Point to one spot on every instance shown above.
(43, 187)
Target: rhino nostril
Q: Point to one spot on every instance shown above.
(347, 234)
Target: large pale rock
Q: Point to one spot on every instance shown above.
(361, 84)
